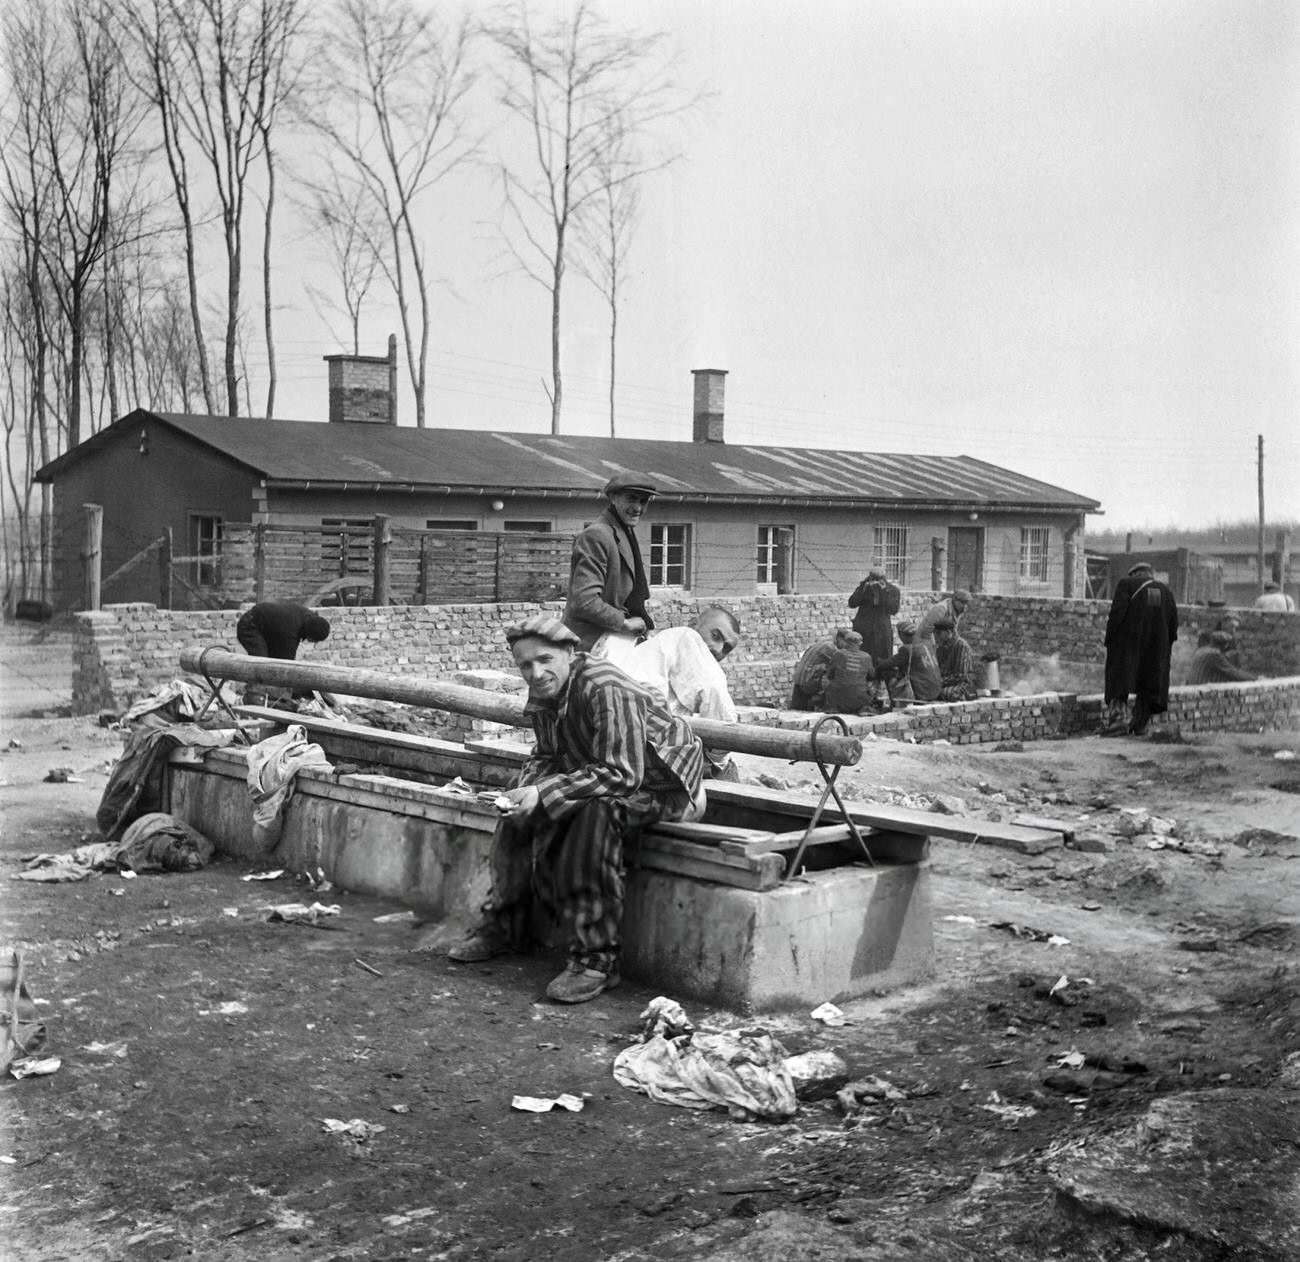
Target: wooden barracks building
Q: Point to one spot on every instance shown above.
(728, 520)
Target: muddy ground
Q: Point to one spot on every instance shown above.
(202, 1047)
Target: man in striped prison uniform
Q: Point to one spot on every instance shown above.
(609, 759)
(956, 663)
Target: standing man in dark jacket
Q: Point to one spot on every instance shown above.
(1140, 635)
(608, 589)
(876, 601)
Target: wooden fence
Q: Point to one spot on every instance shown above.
(382, 564)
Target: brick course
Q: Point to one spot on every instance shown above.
(125, 651)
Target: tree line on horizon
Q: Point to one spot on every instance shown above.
(154, 150)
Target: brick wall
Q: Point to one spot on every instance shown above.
(125, 651)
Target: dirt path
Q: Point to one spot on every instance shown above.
(202, 1047)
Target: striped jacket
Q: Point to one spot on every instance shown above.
(606, 736)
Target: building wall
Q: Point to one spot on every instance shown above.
(142, 494)
(833, 548)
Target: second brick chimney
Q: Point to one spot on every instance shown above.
(710, 387)
(363, 388)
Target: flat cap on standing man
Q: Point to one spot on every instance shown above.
(608, 589)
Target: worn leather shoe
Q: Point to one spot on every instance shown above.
(480, 946)
(577, 984)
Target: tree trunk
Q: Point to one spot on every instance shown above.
(266, 277)
(557, 385)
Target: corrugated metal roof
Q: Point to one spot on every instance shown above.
(289, 452)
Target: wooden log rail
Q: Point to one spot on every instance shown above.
(494, 707)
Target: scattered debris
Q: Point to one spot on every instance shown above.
(263, 876)
(117, 1049)
(1009, 747)
(231, 1008)
(962, 920)
(63, 775)
(355, 1129)
(817, 1075)
(663, 1016)
(399, 1108)
(362, 964)
(1007, 1112)
(1285, 755)
(31, 1067)
(301, 914)
(394, 917)
(538, 1104)
(829, 1014)
(1027, 931)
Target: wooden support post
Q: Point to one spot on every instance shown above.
(165, 570)
(259, 562)
(423, 580)
(383, 543)
(496, 569)
(784, 561)
(937, 550)
(93, 554)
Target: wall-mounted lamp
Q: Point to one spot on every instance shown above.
(974, 516)
(144, 442)
(498, 505)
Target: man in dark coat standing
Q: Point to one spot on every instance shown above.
(608, 589)
(875, 601)
(1140, 634)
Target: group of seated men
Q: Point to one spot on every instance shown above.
(933, 663)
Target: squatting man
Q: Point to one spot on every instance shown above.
(609, 759)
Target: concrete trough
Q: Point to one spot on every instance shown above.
(707, 917)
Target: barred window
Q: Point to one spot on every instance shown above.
(1033, 553)
(670, 552)
(770, 553)
(205, 549)
(889, 552)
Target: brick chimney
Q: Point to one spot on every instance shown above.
(363, 388)
(710, 387)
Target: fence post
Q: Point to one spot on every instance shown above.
(937, 550)
(165, 569)
(423, 579)
(259, 562)
(383, 557)
(784, 561)
(93, 554)
(496, 577)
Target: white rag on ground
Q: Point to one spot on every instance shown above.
(272, 766)
(743, 1073)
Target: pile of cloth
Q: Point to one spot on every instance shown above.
(156, 842)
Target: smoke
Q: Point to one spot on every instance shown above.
(1029, 676)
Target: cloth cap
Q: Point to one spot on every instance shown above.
(1220, 639)
(907, 627)
(637, 482)
(964, 596)
(545, 626)
(945, 624)
(316, 629)
(1271, 586)
(852, 637)
(1141, 565)
(875, 573)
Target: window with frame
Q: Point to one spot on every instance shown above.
(889, 552)
(345, 544)
(1033, 553)
(669, 560)
(527, 527)
(206, 531)
(775, 543)
(451, 523)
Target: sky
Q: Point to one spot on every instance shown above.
(1061, 237)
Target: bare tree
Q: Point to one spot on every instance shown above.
(217, 73)
(342, 220)
(400, 79)
(579, 87)
(606, 233)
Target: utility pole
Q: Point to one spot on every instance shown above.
(1259, 543)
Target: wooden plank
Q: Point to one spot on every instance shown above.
(710, 834)
(1064, 827)
(651, 841)
(899, 818)
(703, 866)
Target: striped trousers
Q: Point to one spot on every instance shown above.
(573, 869)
